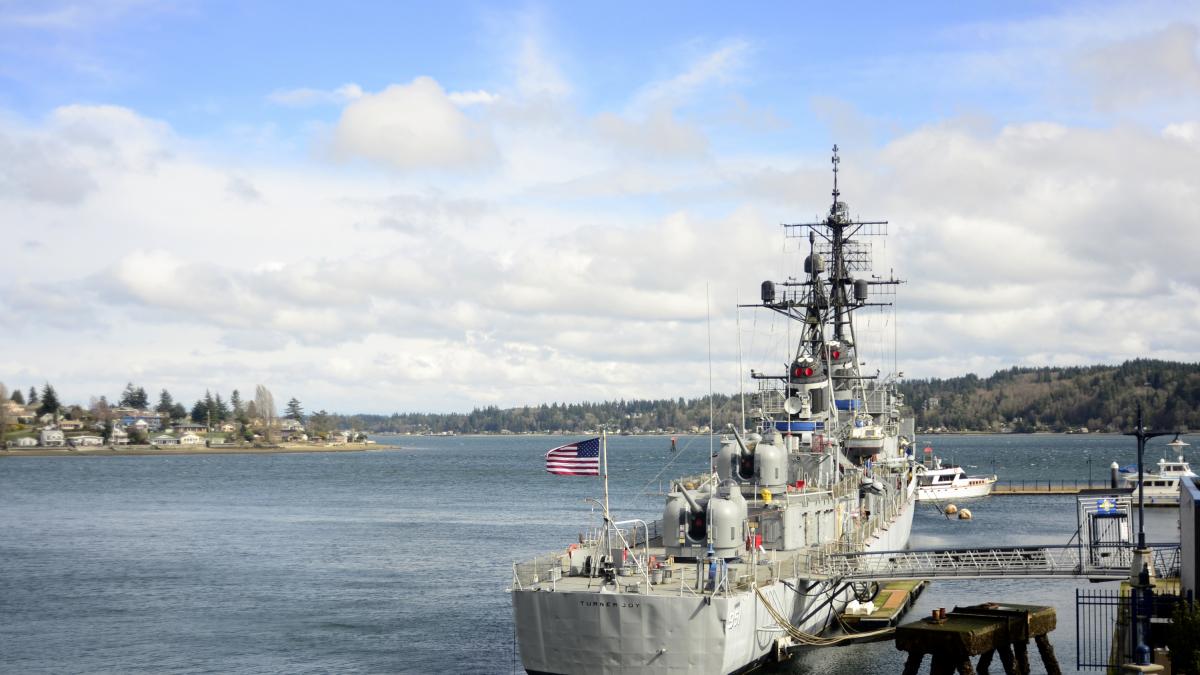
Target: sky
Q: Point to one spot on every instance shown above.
(381, 207)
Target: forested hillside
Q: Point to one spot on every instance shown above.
(1100, 398)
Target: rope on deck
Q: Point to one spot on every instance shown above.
(810, 639)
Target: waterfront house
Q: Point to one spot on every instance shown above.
(119, 436)
(189, 428)
(190, 439)
(24, 442)
(148, 422)
(85, 441)
(165, 439)
(288, 424)
(51, 438)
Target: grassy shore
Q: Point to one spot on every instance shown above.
(109, 451)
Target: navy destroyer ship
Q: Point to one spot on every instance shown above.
(735, 572)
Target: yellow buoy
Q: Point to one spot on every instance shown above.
(951, 509)
(965, 514)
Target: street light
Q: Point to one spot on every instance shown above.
(1142, 594)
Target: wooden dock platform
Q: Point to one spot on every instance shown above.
(891, 603)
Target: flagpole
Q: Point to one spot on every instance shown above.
(604, 453)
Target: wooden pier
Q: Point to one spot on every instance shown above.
(891, 603)
(986, 631)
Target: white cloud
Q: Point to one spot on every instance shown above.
(715, 67)
(305, 96)
(469, 98)
(1162, 65)
(412, 126)
(659, 134)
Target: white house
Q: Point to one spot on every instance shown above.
(190, 439)
(165, 439)
(119, 437)
(25, 442)
(51, 438)
(85, 441)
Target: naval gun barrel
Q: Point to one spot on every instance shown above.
(738, 437)
(692, 503)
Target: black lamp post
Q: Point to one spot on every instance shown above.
(1142, 594)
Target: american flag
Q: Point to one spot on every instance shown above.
(576, 459)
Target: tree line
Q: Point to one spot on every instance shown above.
(210, 410)
(1100, 398)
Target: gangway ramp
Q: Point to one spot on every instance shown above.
(1000, 562)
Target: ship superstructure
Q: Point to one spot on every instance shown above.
(735, 572)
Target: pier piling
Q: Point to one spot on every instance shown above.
(986, 630)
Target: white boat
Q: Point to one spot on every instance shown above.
(1162, 487)
(938, 483)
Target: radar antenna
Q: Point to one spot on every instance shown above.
(836, 160)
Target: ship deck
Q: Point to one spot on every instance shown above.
(672, 577)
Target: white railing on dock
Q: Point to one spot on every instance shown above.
(998, 562)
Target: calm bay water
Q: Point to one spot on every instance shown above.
(397, 560)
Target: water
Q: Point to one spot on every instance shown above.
(396, 561)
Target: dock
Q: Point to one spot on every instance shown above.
(891, 603)
(1068, 487)
(987, 631)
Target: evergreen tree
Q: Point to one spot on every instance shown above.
(210, 407)
(141, 400)
(294, 411)
(165, 402)
(200, 412)
(33, 397)
(18, 397)
(49, 400)
(128, 397)
(178, 412)
(220, 409)
(235, 400)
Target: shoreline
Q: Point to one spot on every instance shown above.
(143, 450)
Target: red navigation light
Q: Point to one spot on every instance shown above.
(835, 354)
(808, 372)
(928, 449)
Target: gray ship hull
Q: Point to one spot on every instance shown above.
(565, 631)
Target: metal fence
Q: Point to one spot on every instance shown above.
(1102, 634)
(1101, 624)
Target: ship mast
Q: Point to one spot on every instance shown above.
(825, 298)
